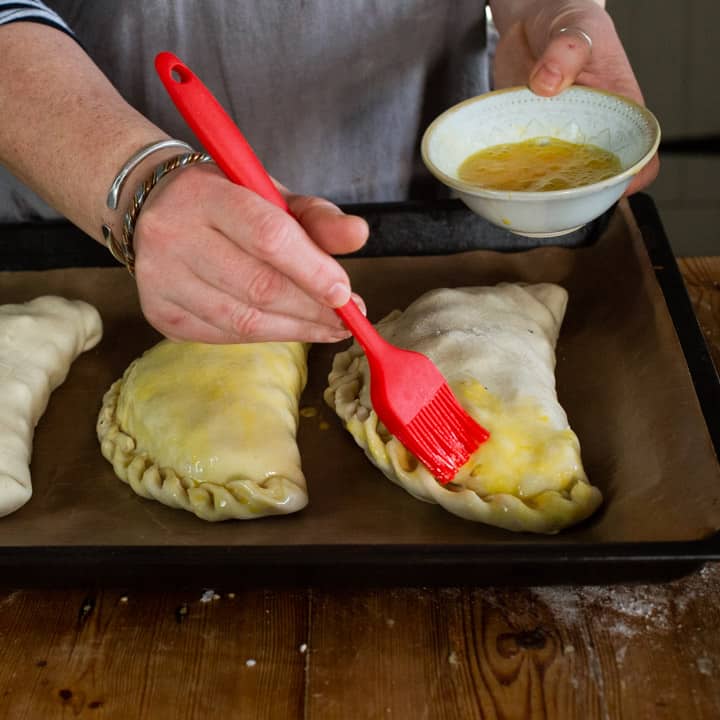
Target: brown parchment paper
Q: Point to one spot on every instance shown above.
(621, 377)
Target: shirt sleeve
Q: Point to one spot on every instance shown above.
(31, 11)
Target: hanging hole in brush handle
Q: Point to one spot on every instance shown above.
(180, 74)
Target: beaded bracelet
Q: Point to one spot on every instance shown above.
(122, 248)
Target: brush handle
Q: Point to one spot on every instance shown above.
(228, 147)
(215, 129)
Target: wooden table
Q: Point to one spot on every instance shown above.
(636, 652)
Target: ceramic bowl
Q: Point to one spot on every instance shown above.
(579, 115)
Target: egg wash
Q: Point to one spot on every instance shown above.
(539, 164)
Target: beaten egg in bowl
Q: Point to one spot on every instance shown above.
(579, 116)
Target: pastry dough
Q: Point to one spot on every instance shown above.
(496, 348)
(210, 428)
(38, 342)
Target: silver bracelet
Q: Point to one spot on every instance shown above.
(116, 186)
(122, 248)
(113, 244)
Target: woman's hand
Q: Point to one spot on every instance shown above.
(542, 44)
(216, 263)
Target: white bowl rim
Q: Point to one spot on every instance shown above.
(532, 195)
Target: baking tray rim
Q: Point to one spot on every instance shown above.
(703, 550)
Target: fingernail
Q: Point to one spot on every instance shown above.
(548, 77)
(360, 303)
(339, 337)
(338, 295)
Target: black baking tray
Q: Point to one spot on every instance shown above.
(396, 229)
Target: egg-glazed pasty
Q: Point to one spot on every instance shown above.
(39, 340)
(210, 428)
(496, 348)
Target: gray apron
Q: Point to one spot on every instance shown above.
(333, 94)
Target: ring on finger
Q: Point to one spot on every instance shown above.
(577, 31)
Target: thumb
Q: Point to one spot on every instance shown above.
(564, 58)
(330, 228)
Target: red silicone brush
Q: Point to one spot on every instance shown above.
(408, 392)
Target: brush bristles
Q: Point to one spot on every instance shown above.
(443, 436)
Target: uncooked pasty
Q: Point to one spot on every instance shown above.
(210, 428)
(496, 348)
(38, 342)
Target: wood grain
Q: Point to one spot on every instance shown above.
(639, 652)
(635, 652)
(645, 651)
(152, 655)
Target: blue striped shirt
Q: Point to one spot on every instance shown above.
(32, 11)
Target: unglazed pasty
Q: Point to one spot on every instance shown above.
(496, 348)
(210, 428)
(38, 342)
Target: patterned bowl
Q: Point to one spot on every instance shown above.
(579, 115)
